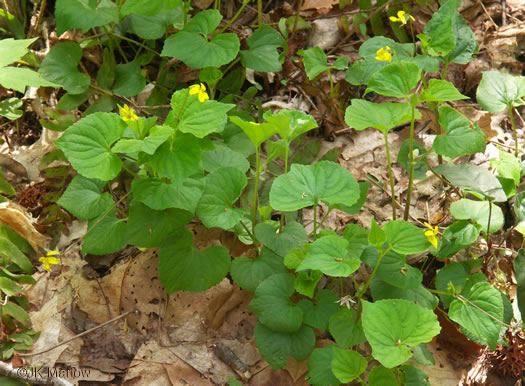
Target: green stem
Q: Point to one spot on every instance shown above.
(286, 154)
(259, 12)
(109, 34)
(299, 6)
(256, 186)
(437, 292)
(252, 236)
(412, 163)
(244, 4)
(413, 37)
(315, 220)
(376, 267)
(134, 42)
(445, 70)
(131, 172)
(434, 108)
(108, 211)
(331, 84)
(511, 115)
(341, 287)
(391, 177)
(322, 221)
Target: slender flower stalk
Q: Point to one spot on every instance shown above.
(391, 177)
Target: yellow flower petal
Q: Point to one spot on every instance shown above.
(49, 259)
(128, 114)
(53, 260)
(200, 91)
(194, 89)
(384, 55)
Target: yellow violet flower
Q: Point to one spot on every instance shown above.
(200, 91)
(431, 235)
(50, 259)
(384, 54)
(402, 17)
(128, 114)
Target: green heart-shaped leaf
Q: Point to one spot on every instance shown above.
(498, 90)
(381, 376)
(440, 91)
(87, 144)
(249, 273)
(106, 234)
(154, 27)
(177, 159)
(61, 66)
(18, 78)
(262, 55)
(395, 271)
(455, 274)
(393, 326)
(361, 115)
(306, 282)
(276, 347)
(330, 255)
(478, 314)
(12, 50)
(271, 303)
(320, 367)
(9, 107)
(395, 79)
(346, 328)
(405, 238)
(420, 295)
(257, 132)
(128, 79)
(148, 228)
(147, 8)
(198, 118)
(184, 268)
(290, 123)
(457, 236)
(159, 195)
(318, 315)
(84, 14)
(473, 178)
(195, 50)
(223, 188)
(479, 212)
(347, 365)
(439, 37)
(223, 156)
(86, 191)
(157, 136)
(291, 237)
(466, 42)
(305, 186)
(460, 139)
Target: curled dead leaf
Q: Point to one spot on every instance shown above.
(16, 217)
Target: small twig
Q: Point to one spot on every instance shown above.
(30, 354)
(307, 97)
(487, 13)
(351, 30)
(461, 297)
(503, 12)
